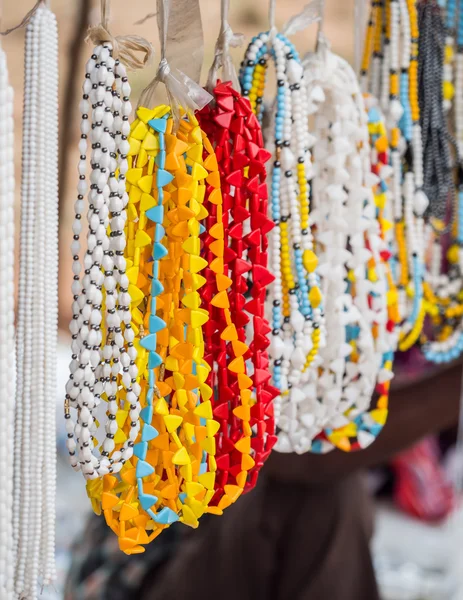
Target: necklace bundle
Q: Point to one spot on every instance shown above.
(172, 474)
(391, 27)
(103, 357)
(36, 339)
(7, 229)
(351, 266)
(297, 316)
(241, 403)
(442, 290)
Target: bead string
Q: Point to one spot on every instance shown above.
(297, 316)
(172, 474)
(7, 231)
(33, 529)
(235, 132)
(357, 314)
(101, 338)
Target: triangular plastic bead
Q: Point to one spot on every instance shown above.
(142, 239)
(181, 457)
(144, 469)
(204, 410)
(140, 450)
(147, 501)
(198, 172)
(163, 178)
(146, 183)
(148, 433)
(149, 342)
(220, 300)
(172, 422)
(159, 125)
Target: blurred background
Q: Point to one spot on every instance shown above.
(415, 545)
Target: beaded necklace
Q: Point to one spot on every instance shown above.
(101, 327)
(351, 266)
(235, 132)
(297, 316)
(443, 289)
(399, 100)
(36, 339)
(7, 229)
(172, 474)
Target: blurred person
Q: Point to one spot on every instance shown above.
(302, 534)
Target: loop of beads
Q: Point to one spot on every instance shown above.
(354, 281)
(366, 426)
(297, 316)
(444, 277)
(390, 24)
(37, 322)
(238, 216)
(7, 243)
(172, 476)
(103, 356)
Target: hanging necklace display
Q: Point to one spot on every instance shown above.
(173, 174)
(359, 348)
(297, 316)
(237, 354)
(393, 26)
(36, 338)
(7, 229)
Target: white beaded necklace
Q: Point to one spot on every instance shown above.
(36, 340)
(7, 228)
(344, 217)
(103, 351)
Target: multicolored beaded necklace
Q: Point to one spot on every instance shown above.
(399, 101)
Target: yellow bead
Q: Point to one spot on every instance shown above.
(310, 260)
(448, 90)
(452, 254)
(315, 297)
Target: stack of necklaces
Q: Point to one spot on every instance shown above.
(169, 327)
(220, 314)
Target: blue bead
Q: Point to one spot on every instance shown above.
(148, 342)
(156, 324)
(159, 233)
(163, 178)
(156, 214)
(147, 501)
(154, 360)
(156, 287)
(158, 125)
(147, 414)
(144, 469)
(140, 450)
(148, 433)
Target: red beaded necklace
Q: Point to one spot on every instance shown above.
(243, 403)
